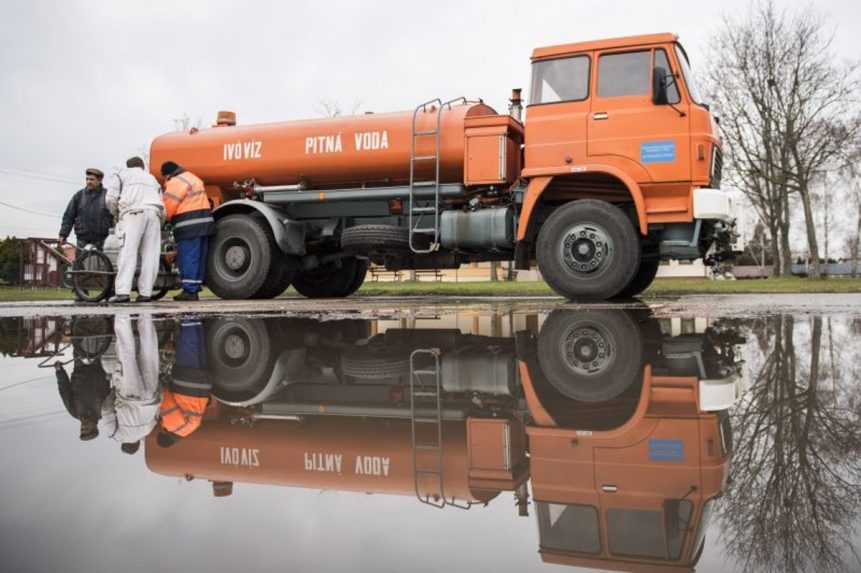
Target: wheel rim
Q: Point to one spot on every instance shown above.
(235, 347)
(586, 250)
(588, 349)
(234, 257)
(238, 350)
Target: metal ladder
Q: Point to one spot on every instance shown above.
(417, 212)
(425, 386)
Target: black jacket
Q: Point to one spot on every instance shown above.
(87, 214)
(84, 393)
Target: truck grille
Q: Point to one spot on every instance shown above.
(717, 168)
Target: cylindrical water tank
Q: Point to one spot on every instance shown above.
(372, 149)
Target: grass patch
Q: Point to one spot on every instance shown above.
(787, 285)
(15, 294)
(661, 287)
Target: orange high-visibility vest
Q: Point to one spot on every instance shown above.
(181, 414)
(187, 206)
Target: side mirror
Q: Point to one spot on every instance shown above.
(659, 86)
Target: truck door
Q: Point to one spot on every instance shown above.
(557, 112)
(626, 128)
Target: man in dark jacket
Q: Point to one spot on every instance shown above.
(87, 213)
(84, 394)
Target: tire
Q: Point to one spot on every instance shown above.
(65, 278)
(240, 357)
(274, 286)
(243, 258)
(98, 285)
(369, 365)
(590, 356)
(383, 239)
(164, 268)
(641, 281)
(332, 280)
(91, 336)
(359, 279)
(588, 250)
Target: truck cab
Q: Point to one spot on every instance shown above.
(620, 123)
(624, 479)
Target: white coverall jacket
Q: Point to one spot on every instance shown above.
(134, 197)
(131, 411)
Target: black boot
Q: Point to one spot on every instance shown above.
(186, 296)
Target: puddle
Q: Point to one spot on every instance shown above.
(494, 439)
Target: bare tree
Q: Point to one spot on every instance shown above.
(788, 113)
(795, 494)
(814, 96)
(852, 172)
(185, 123)
(739, 85)
(331, 108)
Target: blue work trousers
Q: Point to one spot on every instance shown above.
(192, 262)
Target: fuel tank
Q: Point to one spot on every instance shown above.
(371, 149)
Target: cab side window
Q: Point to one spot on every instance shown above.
(563, 79)
(624, 74)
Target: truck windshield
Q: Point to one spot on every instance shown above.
(645, 533)
(693, 88)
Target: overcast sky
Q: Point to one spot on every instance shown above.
(89, 83)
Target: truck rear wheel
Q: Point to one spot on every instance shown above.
(588, 249)
(243, 258)
(641, 281)
(332, 280)
(283, 275)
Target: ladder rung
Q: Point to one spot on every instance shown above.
(427, 447)
(423, 209)
(435, 472)
(426, 420)
(434, 372)
(423, 230)
(425, 394)
(424, 183)
(424, 157)
(425, 132)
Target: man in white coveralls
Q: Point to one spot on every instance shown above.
(131, 411)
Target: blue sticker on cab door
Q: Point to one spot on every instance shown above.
(658, 151)
(663, 450)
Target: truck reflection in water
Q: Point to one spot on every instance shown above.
(617, 425)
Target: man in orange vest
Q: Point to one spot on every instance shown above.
(186, 397)
(187, 208)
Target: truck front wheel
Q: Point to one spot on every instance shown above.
(243, 257)
(641, 281)
(588, 249)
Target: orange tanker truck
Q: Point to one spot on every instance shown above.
(617, 168)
